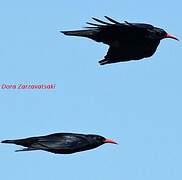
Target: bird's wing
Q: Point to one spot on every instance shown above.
(113, 23)
(66, 142)
(107, 32)
(129, 51)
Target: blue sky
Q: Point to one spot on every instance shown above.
(136, 103)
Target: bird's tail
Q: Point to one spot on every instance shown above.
(27, 142)
(8, 141)
(21, 142)
(83, 33)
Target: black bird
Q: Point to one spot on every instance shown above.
(61, 143)
(127, 41)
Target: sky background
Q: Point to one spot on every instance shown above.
(136, 103)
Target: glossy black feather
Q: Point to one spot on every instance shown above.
(60, 143)
(127, 41)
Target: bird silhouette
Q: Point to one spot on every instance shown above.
(61, 143)
(127, 41)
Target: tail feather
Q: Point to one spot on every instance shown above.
(23, 142)
(83, 33)
(8, 141)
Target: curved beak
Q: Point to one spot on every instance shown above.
(171, 36)
(110, 141)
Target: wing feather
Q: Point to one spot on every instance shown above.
(98, 20)
(112, 20)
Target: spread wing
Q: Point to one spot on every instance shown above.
(112, 31)
(129, 51)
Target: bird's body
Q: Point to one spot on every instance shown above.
(61, 143)
(127, 41)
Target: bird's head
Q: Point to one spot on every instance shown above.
(99, 140)
(158, 33)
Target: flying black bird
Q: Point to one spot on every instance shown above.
(61, 143)
(127, 41)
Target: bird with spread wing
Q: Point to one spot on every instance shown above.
(127, 41)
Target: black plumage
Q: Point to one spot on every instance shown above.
(61, 143)
(127, 41)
